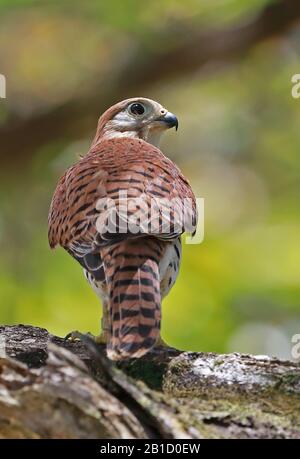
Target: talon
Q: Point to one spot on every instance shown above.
(73, 336)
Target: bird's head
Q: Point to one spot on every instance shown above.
(138, 117)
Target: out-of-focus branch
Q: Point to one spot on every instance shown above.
(20, 138)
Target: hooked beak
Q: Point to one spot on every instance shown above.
(170, 120)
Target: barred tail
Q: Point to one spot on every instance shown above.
(132, 275)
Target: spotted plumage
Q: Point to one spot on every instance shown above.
(129, 270)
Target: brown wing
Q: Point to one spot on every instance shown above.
(133, 166)
(88, 198)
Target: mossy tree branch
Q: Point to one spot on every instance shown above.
(50, 388)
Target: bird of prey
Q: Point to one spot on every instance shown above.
(130, 258)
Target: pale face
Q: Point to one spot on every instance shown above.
(140, 118)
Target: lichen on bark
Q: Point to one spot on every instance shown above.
(50, 388)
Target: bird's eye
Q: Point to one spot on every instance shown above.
(137, 109)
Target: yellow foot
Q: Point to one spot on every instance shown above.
(73, 336)
(76, 336)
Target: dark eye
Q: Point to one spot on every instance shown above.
(137, 109)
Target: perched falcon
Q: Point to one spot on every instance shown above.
(119, 212)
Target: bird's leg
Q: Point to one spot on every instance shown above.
(104, 335)
(105, 325)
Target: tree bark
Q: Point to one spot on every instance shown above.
(52, 388)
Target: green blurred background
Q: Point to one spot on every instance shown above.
(229, 83)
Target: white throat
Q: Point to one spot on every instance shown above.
(152, 136)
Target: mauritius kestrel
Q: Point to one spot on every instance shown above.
(130, 267)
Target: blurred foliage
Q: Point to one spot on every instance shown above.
(239, 143)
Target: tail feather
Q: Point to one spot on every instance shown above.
(132, 276)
